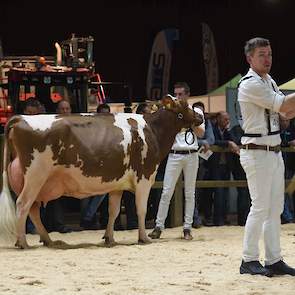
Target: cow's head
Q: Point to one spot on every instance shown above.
(184, 112)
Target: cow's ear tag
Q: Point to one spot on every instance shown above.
(180, 116)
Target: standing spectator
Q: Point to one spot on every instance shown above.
(243, 198)
(155, 194)
(288, 139)
(205, 141)
(103, 206)
(183, 156)
(260, 102)
(32, 107)
(90, 205)
(128, 197)
(54, 214)
(218, 165)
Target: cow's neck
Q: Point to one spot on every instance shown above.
(165, 126)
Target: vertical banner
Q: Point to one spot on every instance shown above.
(210, 58)
(160, 63)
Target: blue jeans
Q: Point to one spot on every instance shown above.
(287, 215)
(89, 207)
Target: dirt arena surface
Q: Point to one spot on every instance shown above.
(207, 265)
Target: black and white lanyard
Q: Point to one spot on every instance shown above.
(267, 115)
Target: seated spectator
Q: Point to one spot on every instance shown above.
(32, 106)
(63, 107)
(103, 108)
(143, 108)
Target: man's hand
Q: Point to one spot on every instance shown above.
(199, 130)
(206, 147)
(233, 147)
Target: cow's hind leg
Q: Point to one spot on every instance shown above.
(35, 217)
(114, 209)
(44, 236)
(23, 205)
(141, 199)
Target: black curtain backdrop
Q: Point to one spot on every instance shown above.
(124, 32)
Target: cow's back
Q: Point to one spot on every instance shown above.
(103, 145)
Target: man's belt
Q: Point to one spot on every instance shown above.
(183, 152)
(252, 146)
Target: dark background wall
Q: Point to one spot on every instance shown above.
(124, 32)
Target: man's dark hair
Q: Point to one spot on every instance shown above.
(127, 110)
(199, 104)
(140, 108)
(182, 85)
(255, 43)
(103, 106)
(32, 102)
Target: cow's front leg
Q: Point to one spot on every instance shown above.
(141, 199)
(114, 209)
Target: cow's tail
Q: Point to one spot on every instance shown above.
(7, 204)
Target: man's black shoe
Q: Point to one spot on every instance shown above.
(197, 225)
(281, 268)
(254, 268)
(187, 234)
(208, 222)
(64, 229)
(156, 233)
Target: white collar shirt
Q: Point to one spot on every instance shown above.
(187, 140)
(255, 95)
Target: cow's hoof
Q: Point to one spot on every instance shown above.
(109, 242)
(21, 245)
(144, 241)
(45, 242)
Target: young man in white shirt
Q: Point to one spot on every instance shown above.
(261, 104)
(183, 156)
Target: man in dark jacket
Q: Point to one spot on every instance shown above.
(218, 169)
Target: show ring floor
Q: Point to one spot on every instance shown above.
(207, 265)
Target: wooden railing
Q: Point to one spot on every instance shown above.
(176, 209)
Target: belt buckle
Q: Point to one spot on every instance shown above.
(267, 148)
(277, 149)
(247, 147)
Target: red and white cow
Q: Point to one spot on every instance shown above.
(85, 154)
